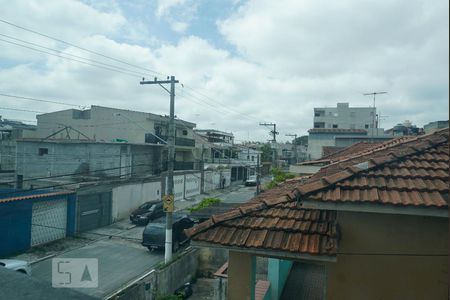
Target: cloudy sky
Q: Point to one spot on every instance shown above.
(241, 62)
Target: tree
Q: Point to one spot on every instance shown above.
(266, 153)
(302, 140)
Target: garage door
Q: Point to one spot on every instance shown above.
(93, 211)
(48, 221)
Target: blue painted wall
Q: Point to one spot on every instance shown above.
(15, 220)
(15, 227)
(278, 272)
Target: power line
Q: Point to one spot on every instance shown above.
(73, 55)
(25, 110)
(72, 59)
(218, 103)
(81, 48)
(38, 100)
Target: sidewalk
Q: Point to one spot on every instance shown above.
(184, 204)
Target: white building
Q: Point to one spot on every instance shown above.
(345, 117)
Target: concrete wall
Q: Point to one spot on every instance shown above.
(91, 158)
(372, 263)
(105, 124)
(346, 117)
(7, 155)
(212, 179)
(127, 198)
(162, 282)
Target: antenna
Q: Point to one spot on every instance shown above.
(374, 94)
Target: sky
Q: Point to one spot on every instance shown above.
(239, 62)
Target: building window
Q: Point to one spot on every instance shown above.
(253, 158)
(335, 126)
(43, 151)
(185, 132)
(366, 126)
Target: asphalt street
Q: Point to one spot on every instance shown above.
(121, 257)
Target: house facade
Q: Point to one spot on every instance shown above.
(370, 226)
(105, 124)
(44, 158)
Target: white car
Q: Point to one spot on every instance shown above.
(16, 265)
(252, 180)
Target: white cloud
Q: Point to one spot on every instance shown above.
(292, 56)
(164, 6)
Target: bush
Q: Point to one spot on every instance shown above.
(278, 177)
(204, 203)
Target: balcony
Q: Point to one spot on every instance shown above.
(183, 142)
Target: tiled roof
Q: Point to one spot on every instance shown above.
(337, 130)
(273, 221)
(408, 172)
(35, 196)
(337, 153)
(412, 172)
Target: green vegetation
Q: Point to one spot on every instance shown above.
(279, 176)
(204, 203)
(266, 153)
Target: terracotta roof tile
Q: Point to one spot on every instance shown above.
(404, 172)
(416, 175)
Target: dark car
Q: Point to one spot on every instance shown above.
(147, 212)
(154, 235)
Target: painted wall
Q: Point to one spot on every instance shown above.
(372, 264)
(127, 198)
(278, 272)
(15, 227)
(212, 179)
(303, 169)
(345, 116)
(16, 216)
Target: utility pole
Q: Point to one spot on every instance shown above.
(258, 175)
(169, 200)
(374, 94)
(295, 145)
(274, 134)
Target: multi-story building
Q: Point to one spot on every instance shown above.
(104, 124)
(345, 117)
(217, 148)
(343, 126)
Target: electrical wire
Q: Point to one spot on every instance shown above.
(81, 48)
(73, 55)
(38, 100)
(24, 110)
(72, 59)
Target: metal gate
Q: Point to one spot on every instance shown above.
(93, 211)
(48, 221)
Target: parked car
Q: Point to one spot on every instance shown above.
(185, 291)
(154, 235)
(20, 266)
(147, 212)
(251, 181)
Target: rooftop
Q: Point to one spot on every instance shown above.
(406, 173)
(337, 130)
